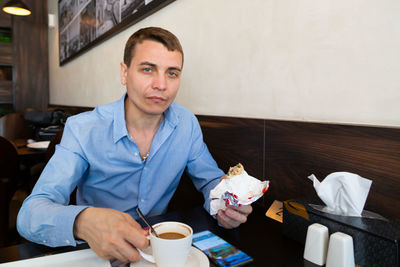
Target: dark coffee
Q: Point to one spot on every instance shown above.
(171, 235)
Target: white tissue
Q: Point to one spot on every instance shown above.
(241, 189)
(343, 193)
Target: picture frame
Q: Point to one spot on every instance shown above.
(85, 23)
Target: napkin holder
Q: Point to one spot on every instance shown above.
(376, 241)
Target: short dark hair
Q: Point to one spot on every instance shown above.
(169, 40)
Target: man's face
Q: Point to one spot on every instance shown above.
(153, 77)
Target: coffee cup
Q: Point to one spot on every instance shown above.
(171, 247)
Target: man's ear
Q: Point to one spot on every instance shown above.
(124, 73)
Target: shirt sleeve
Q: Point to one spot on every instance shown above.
(45, 216)
(201, 167)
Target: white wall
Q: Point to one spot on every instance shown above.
(326, 61)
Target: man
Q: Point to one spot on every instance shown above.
(123, 155)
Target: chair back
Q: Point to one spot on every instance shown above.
(52, 146)
(13, 126)
(9, 171)
(9, 162)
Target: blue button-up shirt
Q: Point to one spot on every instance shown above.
(98, 155)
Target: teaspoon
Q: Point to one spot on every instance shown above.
(145, 221)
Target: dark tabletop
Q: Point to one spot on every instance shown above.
(260, 237)
(24, 151)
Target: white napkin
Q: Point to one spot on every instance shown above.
(238, 190)
(343, 193)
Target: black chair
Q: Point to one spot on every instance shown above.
(13, 126)
(16, 129)
(186, 195)
(37, 169)
(9, 174)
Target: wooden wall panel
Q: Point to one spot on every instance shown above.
(6, 91)
(230, 141)
(291, 151)
(5, 19)
(294, 150)
(235, 140)
(31, 70)
(6, 53)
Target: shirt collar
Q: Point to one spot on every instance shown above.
(119, 120)
(171, 116)
(120, 130)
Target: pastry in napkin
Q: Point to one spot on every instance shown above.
(236, 188)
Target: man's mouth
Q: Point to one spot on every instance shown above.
(156, 99)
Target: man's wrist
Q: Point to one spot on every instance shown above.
(78, 235)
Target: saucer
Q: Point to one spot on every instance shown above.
(42, 145)
(196, 258)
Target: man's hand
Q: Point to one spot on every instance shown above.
(110, 233)
(233, 216)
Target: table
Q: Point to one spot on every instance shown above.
(32, 162)
(24, 151)
(260, 237)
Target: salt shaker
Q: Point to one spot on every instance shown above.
(340, 251)
(316, 244)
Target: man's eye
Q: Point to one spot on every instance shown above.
(147, 70)
(173, 74)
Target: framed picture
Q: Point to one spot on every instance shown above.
(85, 23)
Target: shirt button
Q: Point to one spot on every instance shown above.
(44, 241)
(142, 200)
(67, 241)
(136, 154)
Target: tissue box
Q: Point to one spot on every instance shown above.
(376, 242)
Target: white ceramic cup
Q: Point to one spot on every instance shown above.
(340, 251)
(316, 244)
(169, 252)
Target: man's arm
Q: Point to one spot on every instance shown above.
(232, 216)
(205, 174)
(111, 234)
(45, 216)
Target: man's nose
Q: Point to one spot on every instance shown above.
(160, 82)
